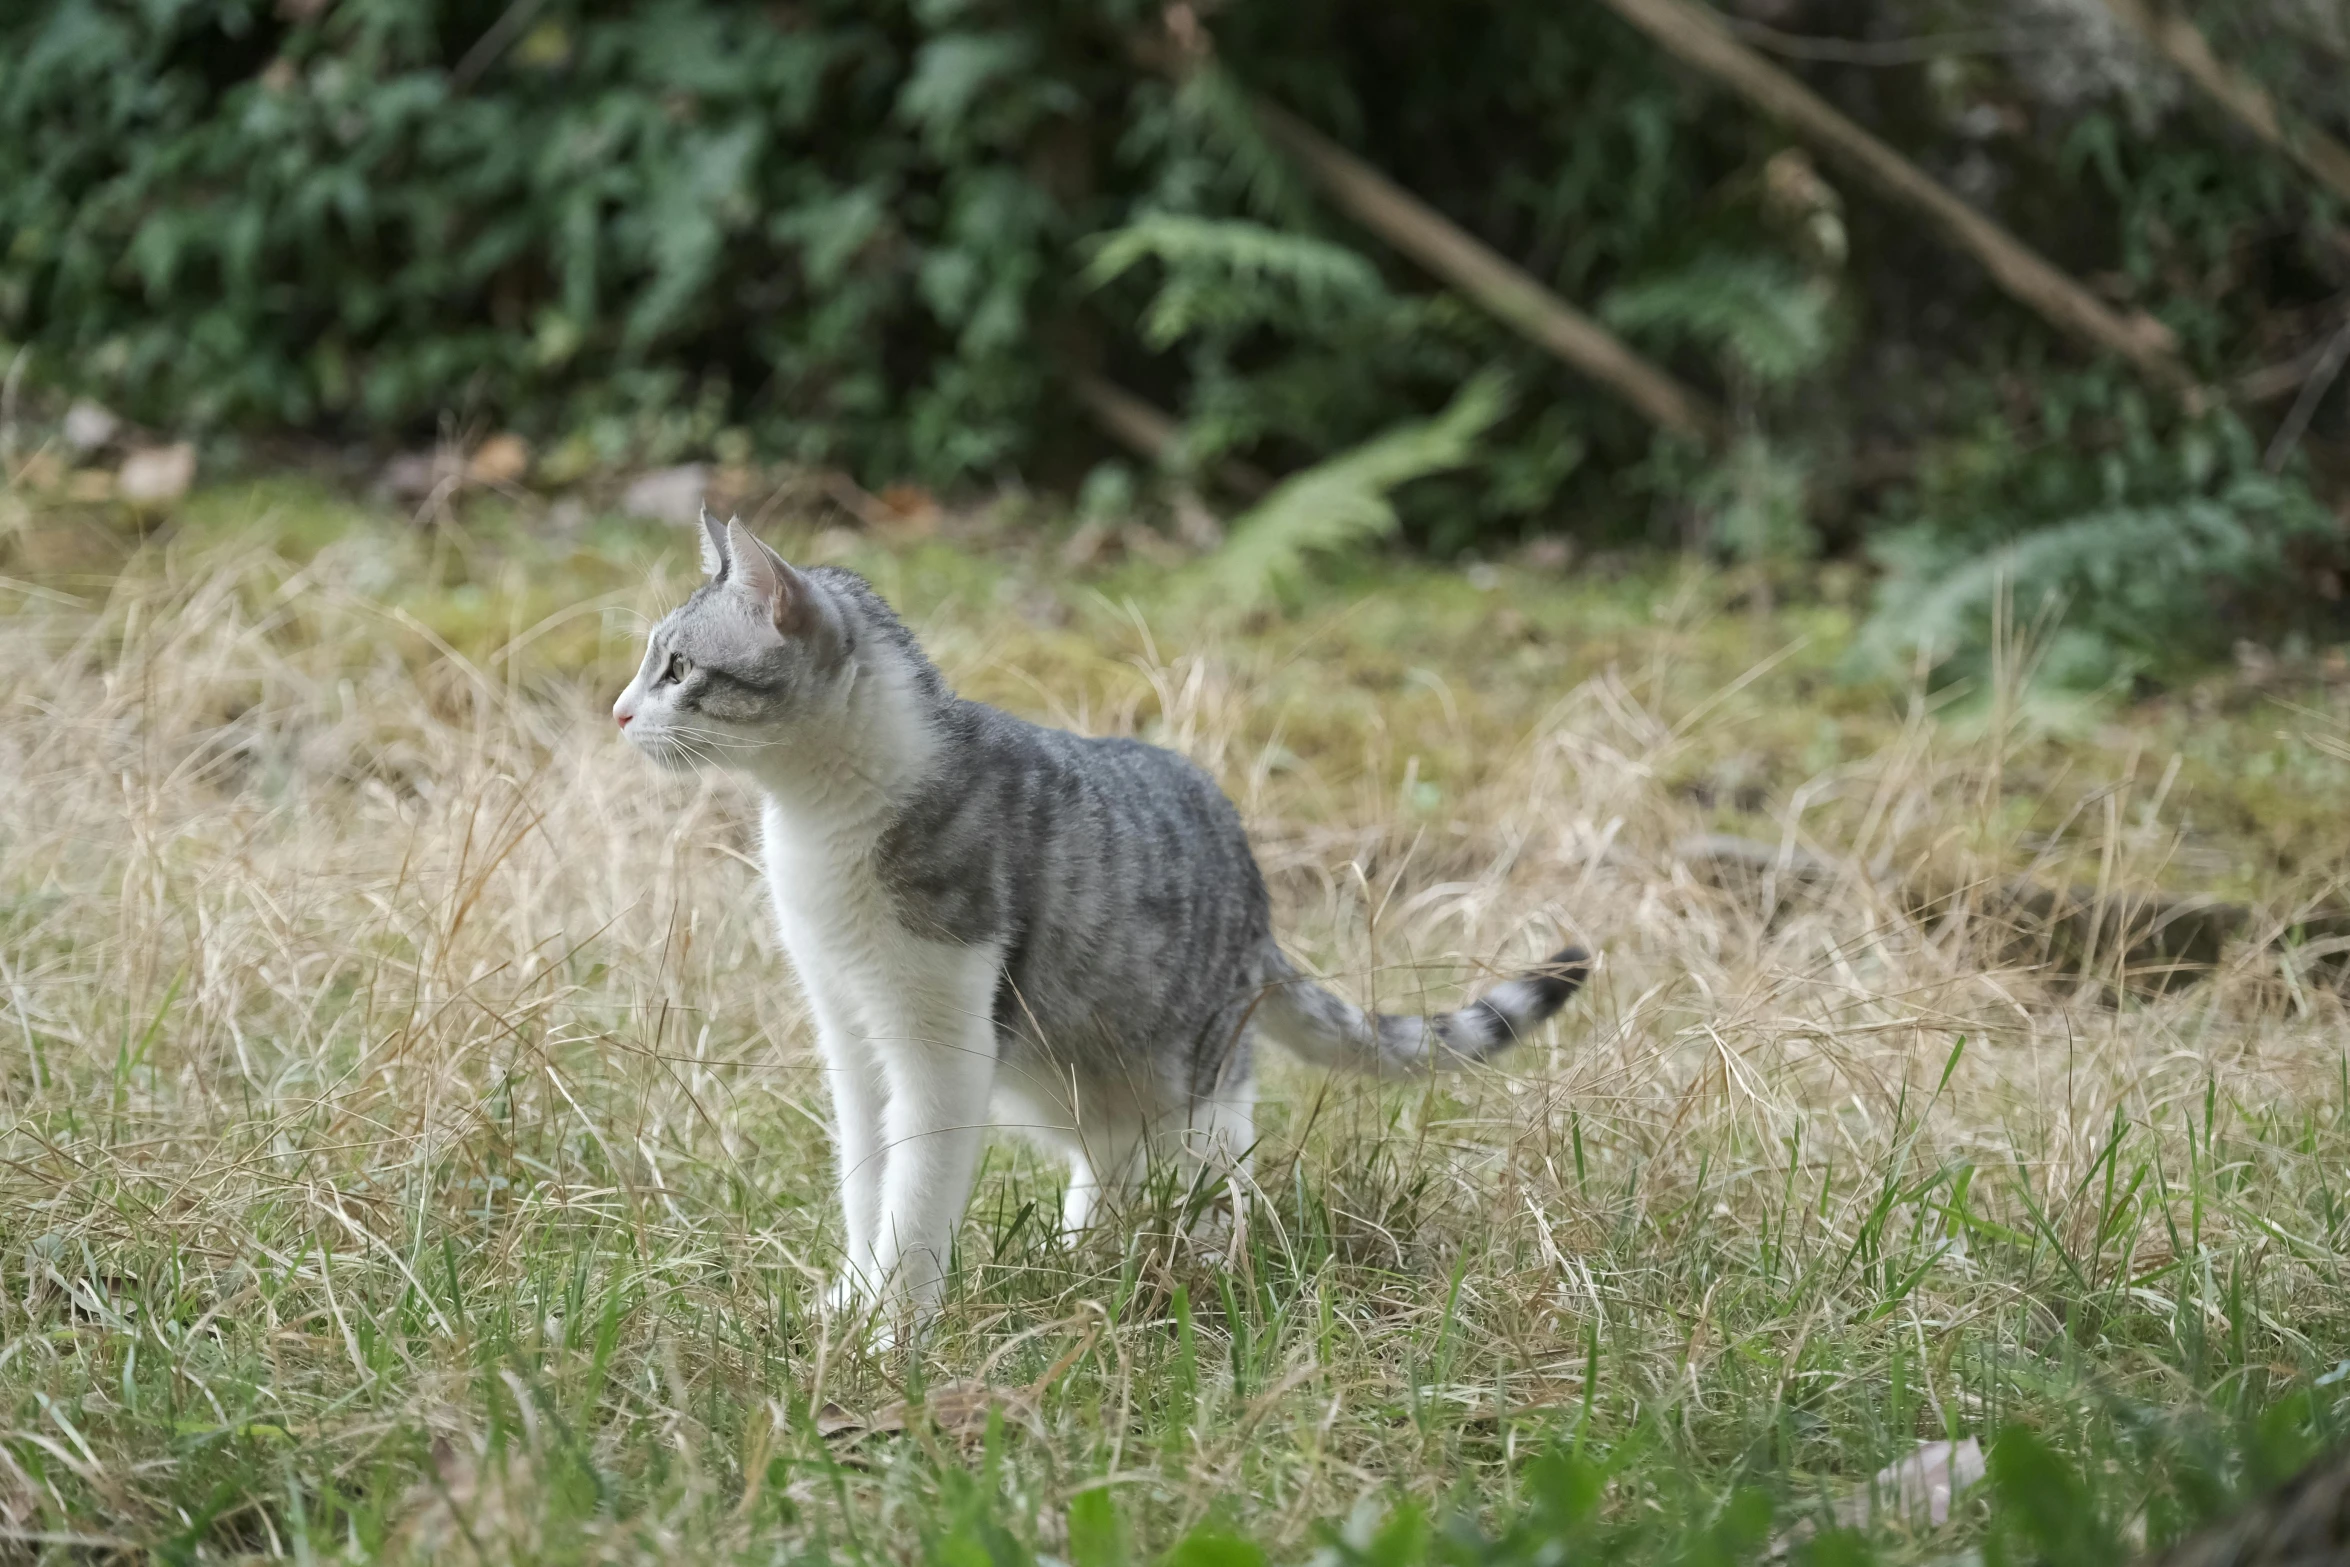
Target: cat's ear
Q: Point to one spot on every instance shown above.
(713, 544)
(794, 603)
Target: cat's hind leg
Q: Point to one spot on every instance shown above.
(1218, 1138)
(1105, 1161)
(1100, 1136)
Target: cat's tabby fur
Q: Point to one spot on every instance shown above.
(994, 921)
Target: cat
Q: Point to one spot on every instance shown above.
(996, 921)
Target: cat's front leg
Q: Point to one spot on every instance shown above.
(940, 1069)
(860, 1152)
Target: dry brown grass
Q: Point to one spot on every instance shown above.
(411, 1147)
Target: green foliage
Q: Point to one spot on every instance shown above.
(1753, 501)
(640, 224)
(1227, 275)
(2140, 575)
(1345, 500)
(1209, 1547)
(2142, 560)
(2037, 1509)
(1563, 1518)
(1098, 1531)
(884, 236)
(1291, 378)
(1770, 324)
(1215, 110)
(2049, 1513)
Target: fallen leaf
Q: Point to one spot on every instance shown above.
(957, 1409)
(156, 475)
(961, 1408)
(502, 459)
(911, 508)
(834, 1421)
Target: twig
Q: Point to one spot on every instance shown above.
(1152, 435)
(1523, 304)
(8, 386)
(69, 1540)
(1425, 235)
(1693, 35)
(2313, 392)
(2282, 378)
(2245, 100)
(491, 45)
(1880, 52)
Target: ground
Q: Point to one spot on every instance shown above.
(411, 1146)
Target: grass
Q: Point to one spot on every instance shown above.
(411, 1149)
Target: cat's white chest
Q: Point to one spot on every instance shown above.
(830, 906)
(840, 924)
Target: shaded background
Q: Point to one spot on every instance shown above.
(893, 242)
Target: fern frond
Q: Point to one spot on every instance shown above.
(1228, 274)
(1344, 500)
(953, 73)
(2129, 576)
(1755, 498)
(1766, 318)
(1217, 107)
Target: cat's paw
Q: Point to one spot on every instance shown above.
(879, 1325)
(846, 1298)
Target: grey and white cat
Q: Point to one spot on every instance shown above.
(994, 921)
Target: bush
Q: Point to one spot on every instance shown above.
(887, 237)
(648, 221)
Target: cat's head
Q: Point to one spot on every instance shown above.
(756, 653)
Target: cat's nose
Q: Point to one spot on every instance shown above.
(624, 718)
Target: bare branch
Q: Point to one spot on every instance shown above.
(1695, 36)
(2245, 100)
(1521, 303)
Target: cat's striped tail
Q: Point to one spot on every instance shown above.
(1318, 1025)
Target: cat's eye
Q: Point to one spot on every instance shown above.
(678, 667)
